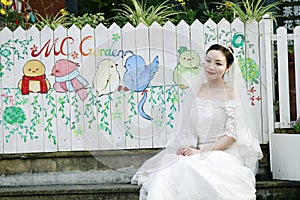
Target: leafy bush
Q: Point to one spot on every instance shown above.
(137, 12)
(251, 9)
(67, 20)
(88, 18)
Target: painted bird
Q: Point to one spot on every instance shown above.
(34, 78)
(67, 78)
(138, 76)
(187, 69)
(107, 77)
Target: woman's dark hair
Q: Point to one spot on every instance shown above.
(227, 51)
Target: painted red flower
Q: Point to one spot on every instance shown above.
(74, 55)
(34, 48)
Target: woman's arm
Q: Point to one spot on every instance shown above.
(221, 144)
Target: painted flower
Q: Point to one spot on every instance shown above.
(116, 115)
(5, 53)
(6, 3)
(78, 132)
(249, 69)
(2, 11)
(115, 37)
(74, 55)
(238, 40)
(14, 115)
(34, 48)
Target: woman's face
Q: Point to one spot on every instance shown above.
(215, 64)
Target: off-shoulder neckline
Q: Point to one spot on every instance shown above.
(217, 101)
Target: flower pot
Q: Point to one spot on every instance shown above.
(285, 158)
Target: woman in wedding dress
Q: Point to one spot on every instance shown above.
(215, 153)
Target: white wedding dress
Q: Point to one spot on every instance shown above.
(212, 175)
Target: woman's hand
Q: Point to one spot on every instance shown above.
(187, 151)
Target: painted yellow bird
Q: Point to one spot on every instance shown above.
(34, 79)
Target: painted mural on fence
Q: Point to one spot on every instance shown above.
(65, 78)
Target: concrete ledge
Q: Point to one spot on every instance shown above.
(67, 178)
(275, 190)
(278, 190)
(12, 164)
(69, 189)
(70, 192)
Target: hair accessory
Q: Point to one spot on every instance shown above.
(229, 48)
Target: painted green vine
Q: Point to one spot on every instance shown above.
(50, 117)
(75, 127)
(64, 101)
(36, 112)
(104, 124)
(88, 111)
(132, 103)
(160, 102)
(9, 49)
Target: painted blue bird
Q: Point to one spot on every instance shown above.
(138, 76)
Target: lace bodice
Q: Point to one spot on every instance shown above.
(212, 119)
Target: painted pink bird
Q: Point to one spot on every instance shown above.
(67, 78)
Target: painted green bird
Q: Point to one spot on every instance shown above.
(188, 68)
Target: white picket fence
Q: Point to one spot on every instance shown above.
(100, 116)
(285, 87)
(287, 80)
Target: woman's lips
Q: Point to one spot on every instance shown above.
(210, 73)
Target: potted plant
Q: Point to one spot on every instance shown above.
(285, 152)
(11, 18)
(136, 12)
(249, 10)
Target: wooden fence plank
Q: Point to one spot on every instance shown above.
(297, 70)
(76, 93)
(53, 123)
(157, 91)
(267, 78)
(224, 32)
(10, 128)
(144, 123)
(116, 72)
(283, 77)
(253, 71)
(35, 101)
(88, 71)
(173, 117)
(31, 125)
(197, 39)
(210, 33)
(131, 98)
(2, 71)
(103, 98)
(57, 116)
